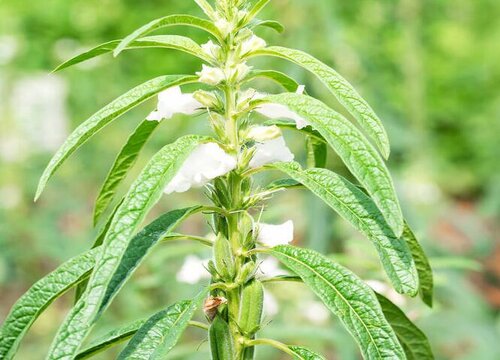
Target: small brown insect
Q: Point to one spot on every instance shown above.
(212, 304)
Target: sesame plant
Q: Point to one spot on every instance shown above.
(246, 139)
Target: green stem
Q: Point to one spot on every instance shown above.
(174, 237)
(275, 344)
(199, 325)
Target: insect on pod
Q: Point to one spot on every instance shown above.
(211, 306)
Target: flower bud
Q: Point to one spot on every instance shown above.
(207, 99)
(251, 45)
(210, 75)
(263, 133)
(239, 72)
(225, 27)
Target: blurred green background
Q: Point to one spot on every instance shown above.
(430, 68)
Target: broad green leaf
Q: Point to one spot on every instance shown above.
(256, 9)
(283, 184)
(110, 339)
(106, 115)
(413, 340)
(340, 87)
(357, 153)
(356, 207)
(425, 277)
(29, 306)
(171, 20)
(346, 296)
(121, 252)
(275, 25)
(303, 353)
(123, 163)
(175, 42)
(288, 83)
(316, 152)
(161, 332)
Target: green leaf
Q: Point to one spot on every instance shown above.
(413, 340)
(29, 306)
(288, 83)
(275, 25)
(161, 332)
(357, 153)
(303, 353)
(122, 253)
(171, 20)
(106, 115)
(206, 7)
(317, 151)
(426, 281)
(356, 207)
(123, 163)
(346, 296)
(175, 42)
(340, 87)
(256, 9)
(283, 184)
(110, 339)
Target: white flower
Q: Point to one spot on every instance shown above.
(224, 27)
(315, 312)
(271, 151)
(211, 75)
(239, 72)
(193, 270)
(172, 101)
(271, 306)
(211, 49)
(263, 133)
(278, 111)
(252, 44)
(274, 235)
(205, 163)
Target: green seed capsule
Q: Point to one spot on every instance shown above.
(252, 301)
(224, 260)
(221, 340)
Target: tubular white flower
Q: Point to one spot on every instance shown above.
(315, 312)
(172, 101)
(211, 75)
(252, 44)
(278, 111)
(238, 72)
(274, 235)
(193, 270)
(205, 163)
(224, 27)
(271, 305)
(270, 267)
(387, 291)
(211, 49)
(271, 151)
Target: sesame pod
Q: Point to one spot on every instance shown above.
(221, 340)
(252, 300)
(224, 260)
(247, 272)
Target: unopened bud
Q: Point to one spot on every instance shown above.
(207, 99)
(264, 133)
(210, 75)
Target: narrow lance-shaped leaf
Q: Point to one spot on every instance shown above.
(343, 91)
(106, 115)
(316, 152)
(288, 83)
(29, 306)
(161, 332)
(257, 8)
(171, 20)
(275, 25)
(424, 269)
(413, 340)
(357, 208)
(346, 296)
(110, 339)
(123, 163)
(206, 7)
(357, 153)
(175, 42)
(121, 253)
(302, 353)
